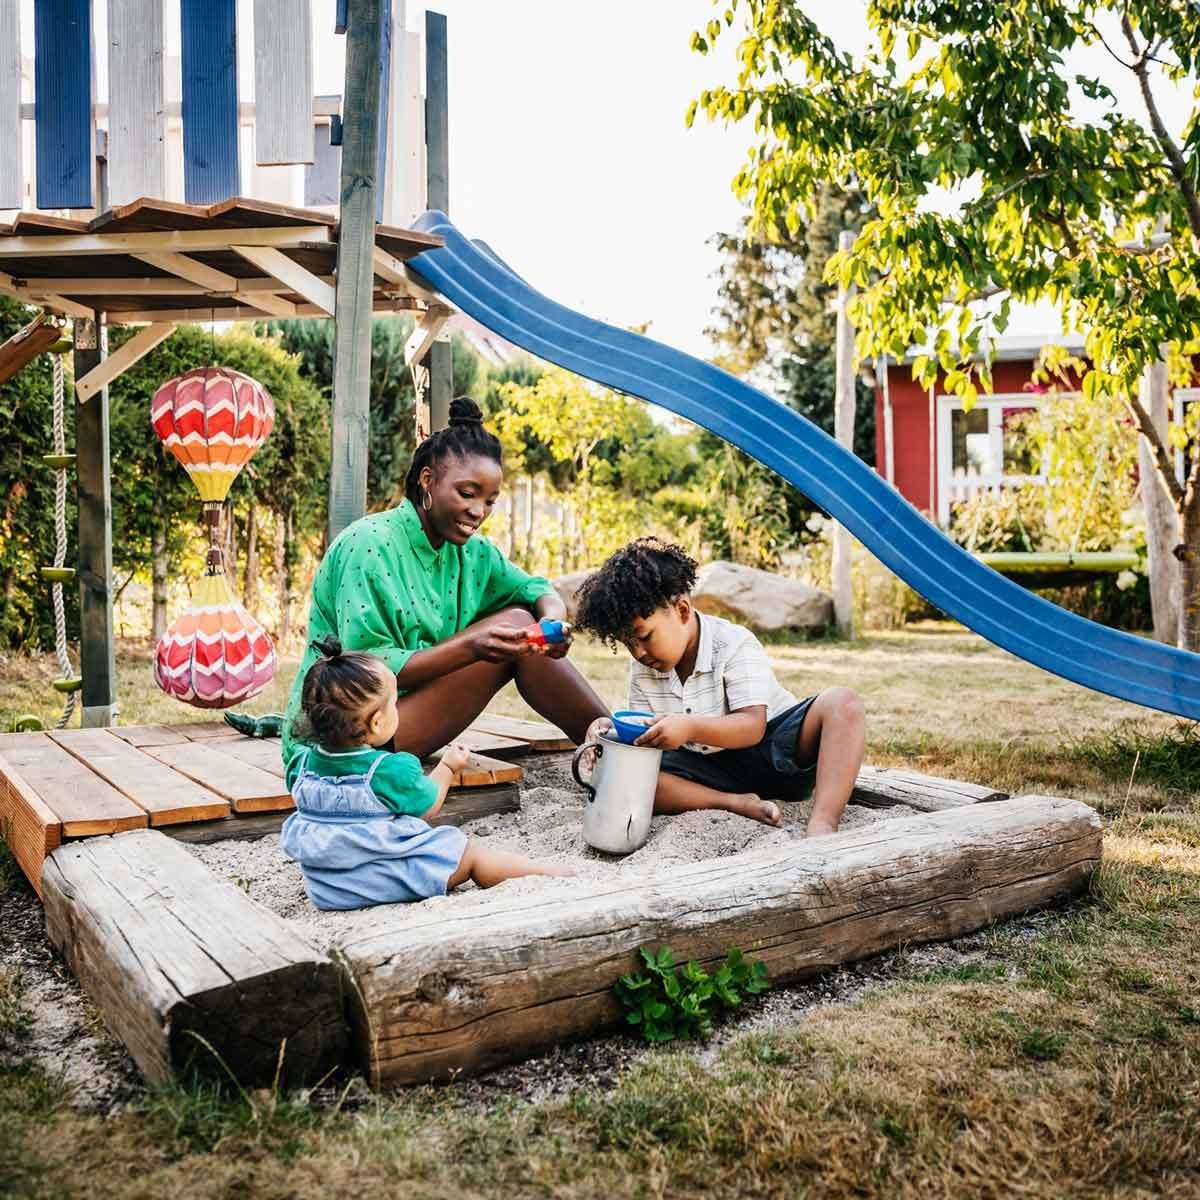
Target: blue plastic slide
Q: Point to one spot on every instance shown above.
(474, 278)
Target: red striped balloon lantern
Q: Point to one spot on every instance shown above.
(215, 654)
(213, 419)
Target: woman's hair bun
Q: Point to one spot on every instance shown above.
(464, 411)
(329, 646)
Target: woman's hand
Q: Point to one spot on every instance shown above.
(499, 643)
(599, 726)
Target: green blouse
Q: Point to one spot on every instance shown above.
(381, 587)
(398, 781)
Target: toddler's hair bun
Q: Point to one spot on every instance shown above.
(328, 646)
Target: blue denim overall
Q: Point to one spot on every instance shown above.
(354, 851)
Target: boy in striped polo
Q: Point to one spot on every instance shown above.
(732, 736)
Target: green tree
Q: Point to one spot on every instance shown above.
(1056, 190)
(775, 321)
(392, 423)
(27, 498)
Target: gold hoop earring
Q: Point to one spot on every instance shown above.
(426, 500)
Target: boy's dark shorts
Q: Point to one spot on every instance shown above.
(768, 768)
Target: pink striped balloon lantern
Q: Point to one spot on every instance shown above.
(215, 654)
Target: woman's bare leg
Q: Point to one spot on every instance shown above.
(488, 866)
(834, 733)
(676, 795)
(438, 711)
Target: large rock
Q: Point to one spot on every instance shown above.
(766, 602)
(567, 586)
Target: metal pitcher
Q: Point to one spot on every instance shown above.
(620, 788)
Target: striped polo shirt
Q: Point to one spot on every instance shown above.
(732, 672)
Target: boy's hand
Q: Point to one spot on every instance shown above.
(667, 733)
(455, 757)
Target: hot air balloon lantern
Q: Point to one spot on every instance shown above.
(213, 419)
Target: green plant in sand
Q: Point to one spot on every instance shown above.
(666, 1001)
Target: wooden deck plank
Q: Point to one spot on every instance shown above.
(199, 731)
(482, 771)
(84, 803)
(184, 966)
(247, 788)
(31, 830)
(539, 734)
(494, 745)
(167, 796)
(263, 753)
(149, 735)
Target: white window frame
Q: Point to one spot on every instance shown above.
(994, 405)
(1180, 399)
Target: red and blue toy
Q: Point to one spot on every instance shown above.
(548, 633)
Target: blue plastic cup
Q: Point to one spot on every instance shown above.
(629, 725)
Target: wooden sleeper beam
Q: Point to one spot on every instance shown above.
(291, 275)
(121, 360)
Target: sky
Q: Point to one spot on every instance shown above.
(569, 154)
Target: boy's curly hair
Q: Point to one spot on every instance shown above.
(635, 582)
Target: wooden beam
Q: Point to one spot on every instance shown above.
(292, 275)
(882, 788)
(151, 285)
(93, 477)
(182, 240)
(437, 193)
(252, 311)
(277, 306)
(185, 968)
(355, 268)
(425, 334)
(59, 304)
(448, 996)
(117, 364)
(190, 269)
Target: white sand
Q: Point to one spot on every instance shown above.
(547, 827)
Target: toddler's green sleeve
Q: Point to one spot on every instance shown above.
(400, 783)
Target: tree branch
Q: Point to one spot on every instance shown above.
(1169, 148)
(1162, 456)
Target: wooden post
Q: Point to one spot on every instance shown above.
(355, 267)
(1162, 521)
(437, 193)
(843, 427)
(96, 657)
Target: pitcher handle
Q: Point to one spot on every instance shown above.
(583, 783)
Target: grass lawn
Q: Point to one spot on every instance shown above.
(1061, 1058)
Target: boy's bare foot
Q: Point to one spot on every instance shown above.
(820, 828)
(757, 809)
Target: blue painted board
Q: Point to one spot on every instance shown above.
(1106, 660)
(62, 35)
(210, 100)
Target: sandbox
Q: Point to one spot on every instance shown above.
(216, 945)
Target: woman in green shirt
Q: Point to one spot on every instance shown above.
(442, 607)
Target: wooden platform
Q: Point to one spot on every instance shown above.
(202, 776)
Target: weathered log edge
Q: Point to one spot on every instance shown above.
(457, 995)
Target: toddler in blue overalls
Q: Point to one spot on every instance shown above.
(360, 831)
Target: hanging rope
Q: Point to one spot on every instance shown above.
(1101, 461)
(60, 541)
